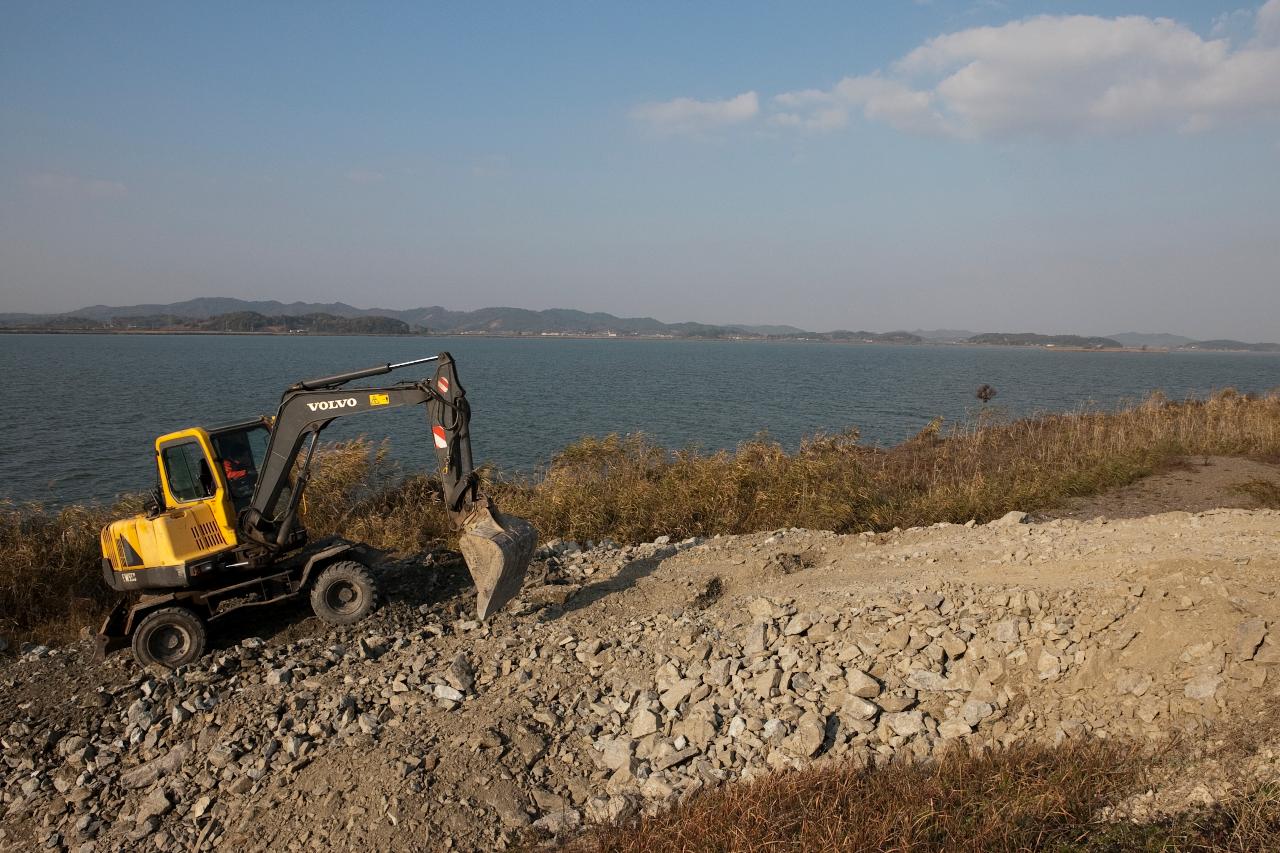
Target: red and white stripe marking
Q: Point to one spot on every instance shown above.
(442, 441)
(443, 384)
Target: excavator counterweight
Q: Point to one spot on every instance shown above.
(223, 529)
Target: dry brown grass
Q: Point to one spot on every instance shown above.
(629, 489)
(1245, 823)
(357, 492)
(50, 580)
(1265, 492)
(1027, 798)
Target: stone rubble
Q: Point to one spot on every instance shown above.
(614, 685)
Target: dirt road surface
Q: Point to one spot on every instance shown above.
(627, 677)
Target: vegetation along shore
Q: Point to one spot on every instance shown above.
(628, 489)
(989, 637)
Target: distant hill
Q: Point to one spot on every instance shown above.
(770, 330)
(320, 323)
(874, 337)
(1227, 345)
(194, 313)
(498, 320)
(1142, 339)
(1024, 339)
(238, 321)
(217, 306)
(230, 314)
(24, 319)
(944, 334)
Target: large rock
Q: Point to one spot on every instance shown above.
(905, 723)
(974, 711)
(508, 801)
(861, 684)
(1248, 637)
(1202, 687)
(616, 752)
(679, 692)
(806, 740)
(607, 811)
(148, 774)
(155, 804)
(797, 625)
(699, 725)
(766, 683)
(447, 693)
(1048, 666)
(644, 723)
(1005, 631)
(923, 679)
(559, 822)
(859, 708)
(460, 675)
(220, 756)
(1010, 519)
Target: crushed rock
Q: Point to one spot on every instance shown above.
(626, 678)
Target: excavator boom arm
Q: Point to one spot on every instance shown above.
(308, 407)
(497, 547)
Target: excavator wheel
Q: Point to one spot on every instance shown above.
(344, 593)
(169, 637)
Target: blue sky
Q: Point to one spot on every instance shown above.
(1042, 166)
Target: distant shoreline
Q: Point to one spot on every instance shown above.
(593, 337)
(206, 332)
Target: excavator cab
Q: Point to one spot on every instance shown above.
(206, 479)
(223, 531)
(242, 452)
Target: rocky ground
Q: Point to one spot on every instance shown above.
(627, 677)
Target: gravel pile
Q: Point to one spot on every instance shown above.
(625, 678)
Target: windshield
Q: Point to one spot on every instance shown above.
(241, 453)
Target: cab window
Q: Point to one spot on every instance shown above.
(241, 454)
(190, 477)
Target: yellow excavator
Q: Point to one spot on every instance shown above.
(221, 530)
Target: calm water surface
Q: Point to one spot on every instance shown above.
(82, 410)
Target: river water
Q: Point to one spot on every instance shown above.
(81, 411)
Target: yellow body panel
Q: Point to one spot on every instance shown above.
(187, 530)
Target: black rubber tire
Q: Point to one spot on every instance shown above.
(169, 637)
(344, 593)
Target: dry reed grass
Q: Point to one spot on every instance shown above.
(50, 577)
(1025, 798)
(629, 489)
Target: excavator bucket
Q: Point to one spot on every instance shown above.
(497, 549)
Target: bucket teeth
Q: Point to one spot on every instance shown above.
(497, 549)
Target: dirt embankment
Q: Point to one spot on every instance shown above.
(625, 678)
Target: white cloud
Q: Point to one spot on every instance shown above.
(1234, 24)
(688, 115)
(54, 183)
(1057, 76)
